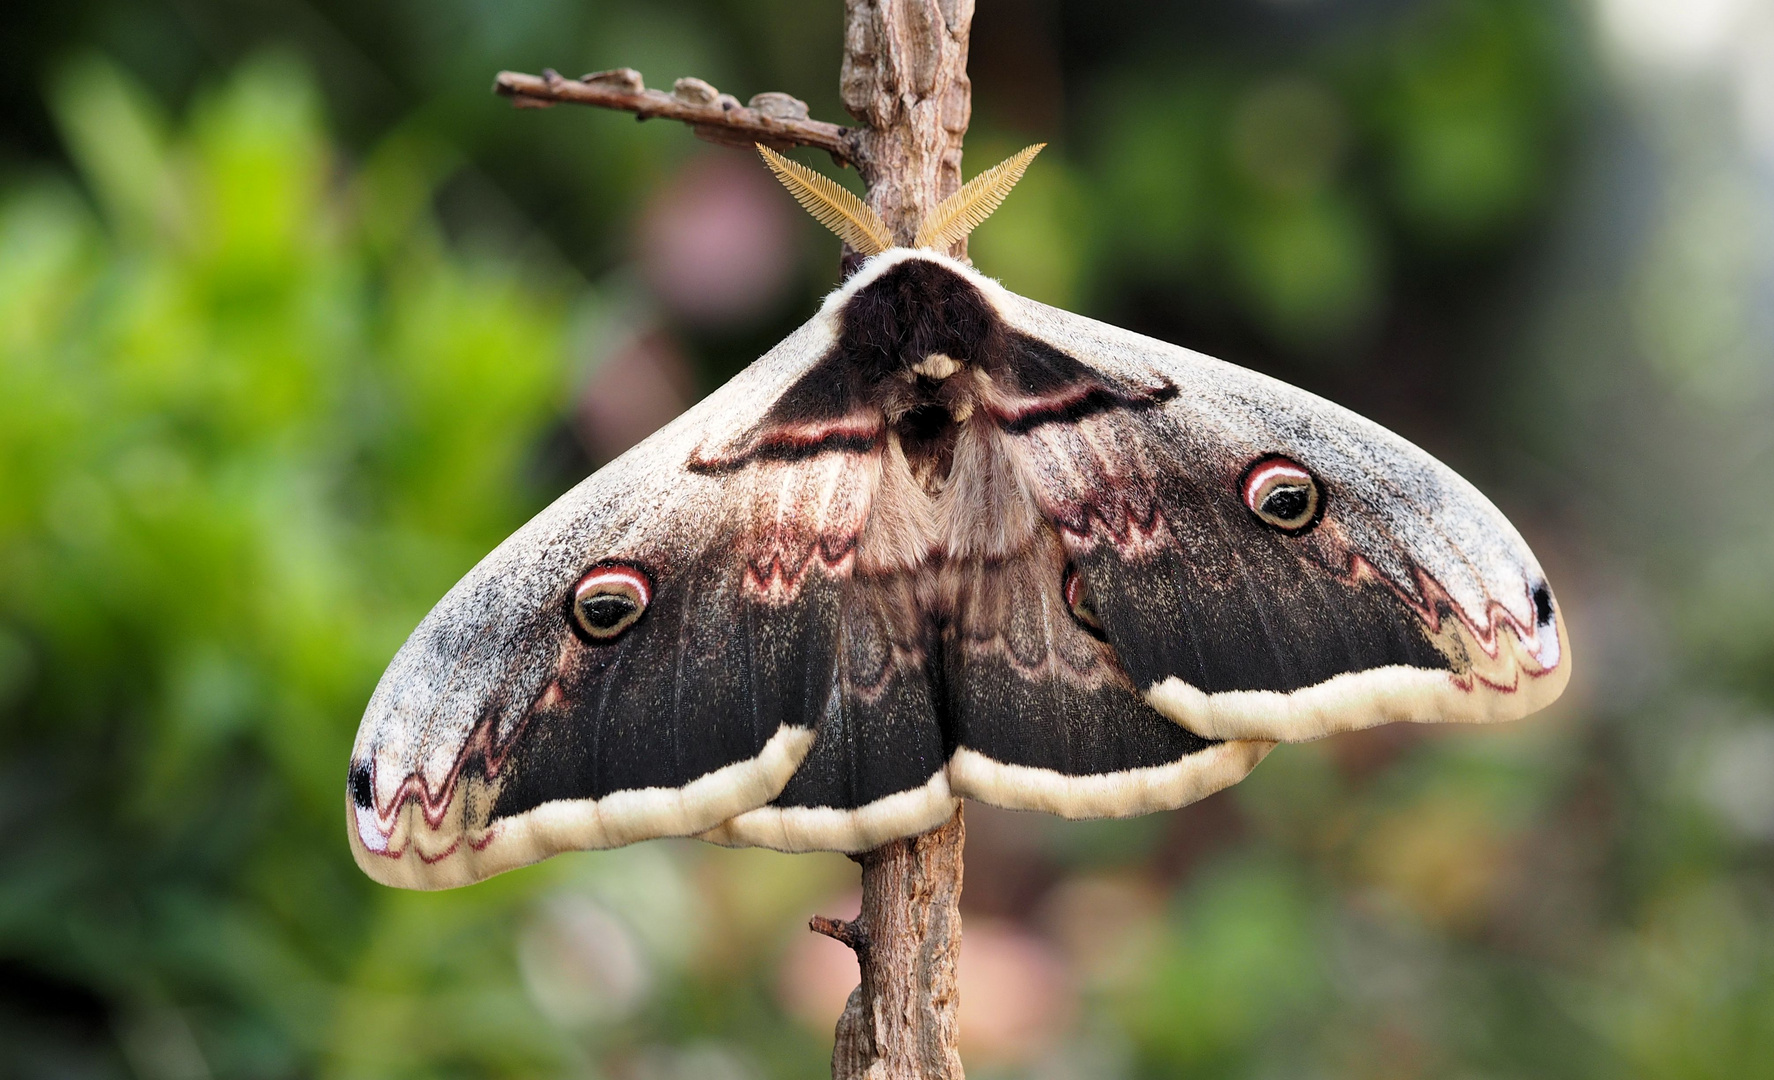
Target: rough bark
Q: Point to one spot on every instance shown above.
(905, 78)
(900, 1022)
(777, 120)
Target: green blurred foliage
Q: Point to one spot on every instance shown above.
(1281, 187)
(288, 339)
(247, 430)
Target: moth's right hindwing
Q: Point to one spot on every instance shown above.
(1044, 715)
(877, 769)
(648, 657)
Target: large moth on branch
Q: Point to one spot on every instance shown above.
(941, 542)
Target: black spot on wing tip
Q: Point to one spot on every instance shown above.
(1542, 605)
(363, 794)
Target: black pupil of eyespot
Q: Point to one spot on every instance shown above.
(605, 610)
(1287, 503)
(361, 792)
(1543, 605)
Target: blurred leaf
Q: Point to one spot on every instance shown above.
(1308, 266)
(119, 138)
(1470, 103)
(1240, 966)
(227, 431)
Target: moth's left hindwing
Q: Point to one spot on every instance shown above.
(1269, 565)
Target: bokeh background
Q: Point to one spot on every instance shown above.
(297, 320)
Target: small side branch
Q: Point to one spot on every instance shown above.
(774, 119)
(853, 934)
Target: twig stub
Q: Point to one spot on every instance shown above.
(853, 934)
(775, 119)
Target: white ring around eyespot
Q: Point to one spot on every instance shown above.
(1279, 469)
(1072, 588)
(616, 575)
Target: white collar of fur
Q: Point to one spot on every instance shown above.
(892, 257)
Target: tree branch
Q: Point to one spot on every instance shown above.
(853, 934)
(905, 77)
(901, 1023)
(774, 119)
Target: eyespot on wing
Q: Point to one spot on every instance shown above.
(608, 600)
(1283, 494)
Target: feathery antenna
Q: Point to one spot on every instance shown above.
(855, 222)
(961, 213)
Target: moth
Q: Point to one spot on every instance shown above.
(942, 542)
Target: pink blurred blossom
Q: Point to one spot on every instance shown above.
(717, 244)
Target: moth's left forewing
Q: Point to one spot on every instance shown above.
(1403, 595)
